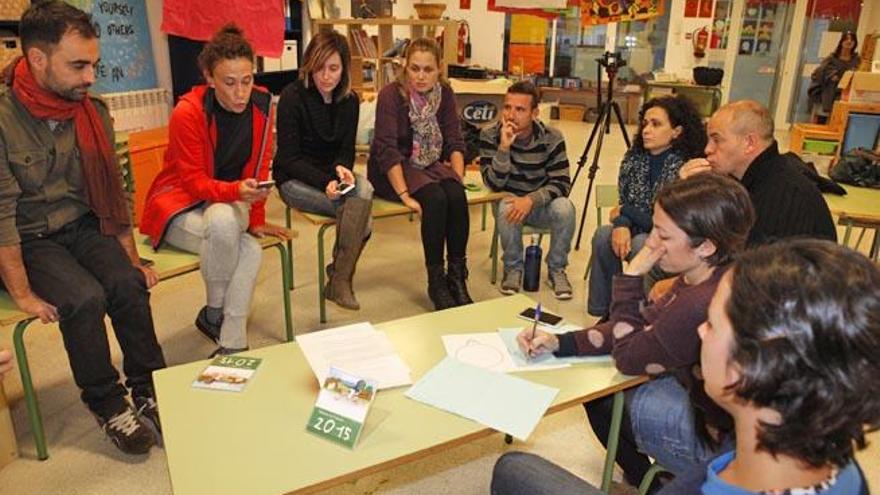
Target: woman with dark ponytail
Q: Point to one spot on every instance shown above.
(208, 199)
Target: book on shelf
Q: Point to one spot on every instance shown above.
(364, 44)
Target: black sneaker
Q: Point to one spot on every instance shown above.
(128, 432)
(226, 351)
(148, 411)
(208, 329)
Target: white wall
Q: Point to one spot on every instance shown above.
(487, 31)
(680, 58)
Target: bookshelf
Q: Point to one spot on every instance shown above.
(370, 70)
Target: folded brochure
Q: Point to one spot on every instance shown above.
(342, 407)
(230, 373)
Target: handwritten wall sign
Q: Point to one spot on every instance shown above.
(126, 51)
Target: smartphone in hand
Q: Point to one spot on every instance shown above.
(344, 188)
(265, 184)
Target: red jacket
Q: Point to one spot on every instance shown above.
(187, 176)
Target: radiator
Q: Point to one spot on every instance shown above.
(138, 110)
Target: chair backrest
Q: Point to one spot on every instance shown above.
(606, 197)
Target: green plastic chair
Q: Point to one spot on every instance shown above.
(648, 478)
(606, 197)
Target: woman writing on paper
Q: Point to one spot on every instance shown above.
(802, 384)
(699, 223)
(207, 199)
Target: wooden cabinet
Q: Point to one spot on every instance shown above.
(370, 70)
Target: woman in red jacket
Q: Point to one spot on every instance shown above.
(208, 198)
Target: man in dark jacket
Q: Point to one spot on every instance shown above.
(787, 203)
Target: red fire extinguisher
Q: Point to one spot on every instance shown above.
(700, 41)
(463, 50)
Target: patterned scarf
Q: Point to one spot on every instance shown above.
(427, 137)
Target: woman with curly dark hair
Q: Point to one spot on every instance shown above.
(671, 132)
(790, 350)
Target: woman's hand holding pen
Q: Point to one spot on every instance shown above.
(536, 342)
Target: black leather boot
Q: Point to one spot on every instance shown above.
(438, 290)
(457, 281)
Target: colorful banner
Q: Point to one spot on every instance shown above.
(500, 6)
(526, 59)
(528, 29)
(605, 11)
(531, 4)
(262, 22)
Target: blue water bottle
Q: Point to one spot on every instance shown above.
(532, 276)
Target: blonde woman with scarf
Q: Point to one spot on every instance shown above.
(417, 158)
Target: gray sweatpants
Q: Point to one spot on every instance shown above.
(230, 260)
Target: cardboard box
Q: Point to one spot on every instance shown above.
(860, 87)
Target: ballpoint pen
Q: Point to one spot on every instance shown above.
(534, 327)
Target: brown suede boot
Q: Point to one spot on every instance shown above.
(351, 223)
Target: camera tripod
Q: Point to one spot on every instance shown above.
(611, 63)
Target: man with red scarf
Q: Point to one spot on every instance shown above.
(66, 248)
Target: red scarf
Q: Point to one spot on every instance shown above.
(99, 167)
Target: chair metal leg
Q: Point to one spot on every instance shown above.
(875, 246)
(847, 232)
(589, 265)
(289, 223)
(30, 397)
(286, 277)
(321, 301)
(649, 478)
(493, 253)
(485, 207)
(613, 438)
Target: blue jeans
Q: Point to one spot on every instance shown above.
(558, 216)
(519, 473)
(663, 425)
(657, 421)
(605, 266)
(304, 197)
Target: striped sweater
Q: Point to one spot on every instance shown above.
(538, 168)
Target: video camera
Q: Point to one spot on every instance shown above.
(611, 61)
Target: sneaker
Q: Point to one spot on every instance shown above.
(208, 329)
(512, 281)
(226, 351)
(128, 432)
(558, 281)
(148, 410)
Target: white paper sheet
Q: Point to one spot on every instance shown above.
(484, 350)
(359, 349)
(506, 403)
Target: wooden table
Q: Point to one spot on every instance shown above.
(256, 442)
(859, 208)
(381, 209)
